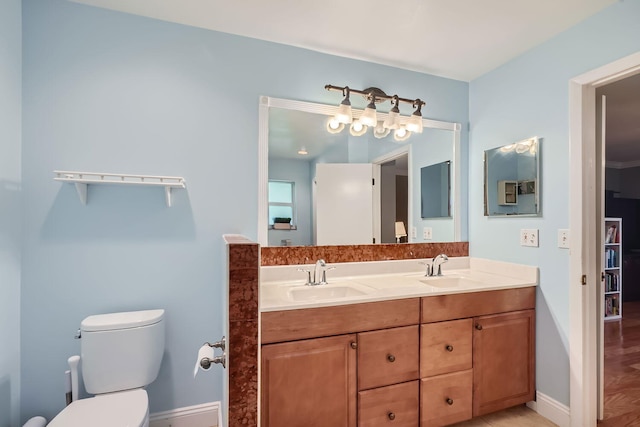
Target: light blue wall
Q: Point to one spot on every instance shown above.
(110, 92)
(529, 97)
(10, 136)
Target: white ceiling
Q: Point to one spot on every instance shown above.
(459, 39)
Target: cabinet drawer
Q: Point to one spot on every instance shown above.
(393, 406)
(459, 306)
(446, 399)
(389, 356)
(446, 347)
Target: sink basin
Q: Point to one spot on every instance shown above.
(323, 292)
(449, 282)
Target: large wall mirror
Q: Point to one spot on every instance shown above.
(512, 179)
(322, 188)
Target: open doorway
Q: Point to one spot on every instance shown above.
(619, 345)
(394, 200)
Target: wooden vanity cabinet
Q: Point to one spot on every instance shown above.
(309, 383)
(428, 362)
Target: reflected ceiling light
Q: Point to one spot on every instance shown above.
(380, 131)
(401, 134)
(334, 126)
(369, 117)
(303, 151)
(393, 119)
(344, 114)
(414, 124)
(357, 128)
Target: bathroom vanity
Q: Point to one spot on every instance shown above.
(400, 349)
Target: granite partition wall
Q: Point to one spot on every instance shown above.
(244, 259)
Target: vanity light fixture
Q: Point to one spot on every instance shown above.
(402, 127)
(344, 114)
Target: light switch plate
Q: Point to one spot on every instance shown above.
(563, 238)
(427, 233)
(414, 233)
(529, 237)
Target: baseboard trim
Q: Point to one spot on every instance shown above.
(204, 415)
(551, 409)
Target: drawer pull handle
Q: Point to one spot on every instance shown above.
(354, 345)
(449, 401)
(478, 326)
(391, 416)
(449, 348)
(391, 358)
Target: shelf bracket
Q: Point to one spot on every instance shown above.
(167, 196)
(82, 192)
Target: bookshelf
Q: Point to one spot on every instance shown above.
(612, 284)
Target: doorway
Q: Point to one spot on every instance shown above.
(586, 229)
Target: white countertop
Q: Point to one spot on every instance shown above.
(284, 288)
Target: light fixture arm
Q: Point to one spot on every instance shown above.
(377, 94)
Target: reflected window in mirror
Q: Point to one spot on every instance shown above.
(281, 205)
(512, 179)
(435, 190)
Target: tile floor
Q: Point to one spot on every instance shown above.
(518, 416)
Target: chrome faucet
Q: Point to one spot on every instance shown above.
(438, 260)
(319, 273)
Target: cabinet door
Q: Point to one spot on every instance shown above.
(309, 383)
(503, 361)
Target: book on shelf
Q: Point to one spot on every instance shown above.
(612, 234)
(611, 283)
(610, 258)
(611, 305)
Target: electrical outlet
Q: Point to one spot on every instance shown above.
(529, 237)
(563, 238)
(427, 233)
(414, 233)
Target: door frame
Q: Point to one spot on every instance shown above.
(584, 230)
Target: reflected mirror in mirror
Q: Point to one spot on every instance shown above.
(334, 201)
(435, 190)
(512, 179)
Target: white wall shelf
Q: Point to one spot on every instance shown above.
(83, 179)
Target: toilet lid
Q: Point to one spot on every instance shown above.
(121, 409)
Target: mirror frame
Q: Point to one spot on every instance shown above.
(267, 102)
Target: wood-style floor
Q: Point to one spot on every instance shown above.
(622, 369)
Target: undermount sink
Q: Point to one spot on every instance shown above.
(449, 282)
(324, 292)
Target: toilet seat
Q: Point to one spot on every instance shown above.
(118, 409)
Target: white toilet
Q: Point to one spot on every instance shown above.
(120, 354)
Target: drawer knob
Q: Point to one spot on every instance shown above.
(391, 416)
(391, 358)
(478, 326)
(449, 401)
(449, 348)
(354, 345)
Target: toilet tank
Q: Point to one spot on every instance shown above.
(121, 351)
